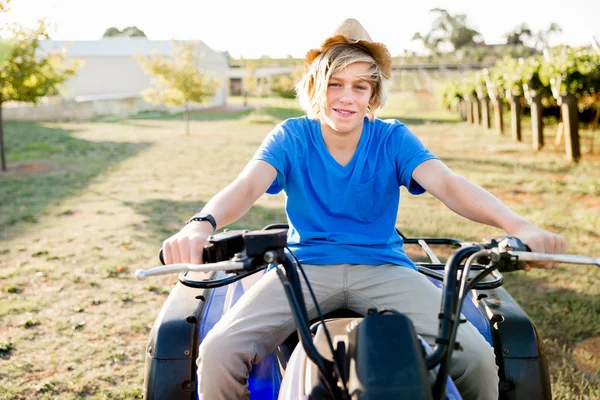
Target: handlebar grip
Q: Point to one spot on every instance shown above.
(204, 256)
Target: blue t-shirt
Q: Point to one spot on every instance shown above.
(344, 215)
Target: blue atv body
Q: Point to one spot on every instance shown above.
(190, 313)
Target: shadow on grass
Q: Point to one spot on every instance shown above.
(73, 164)
(166, 217)
(560, 313)
(199, 115)
(492, 165)
(283, 113)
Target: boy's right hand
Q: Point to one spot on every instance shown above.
(186, 245)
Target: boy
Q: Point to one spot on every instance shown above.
(341, 169)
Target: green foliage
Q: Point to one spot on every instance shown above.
(283, 86)
(562, 71)
(512, 75)
(450, 93)
(178, 80)
(6, 48)
(27, 75)
(250, 81)
(573, 71)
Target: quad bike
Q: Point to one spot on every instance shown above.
(344, 355)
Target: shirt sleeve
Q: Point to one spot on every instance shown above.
(277, 149)
(409, 153)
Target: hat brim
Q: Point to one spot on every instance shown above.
(379, 51)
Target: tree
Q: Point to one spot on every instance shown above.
(519, 35)
(249, 81)
(450, 30)
(179, 80)
(542, 38)
(130, 31)
(28, 76)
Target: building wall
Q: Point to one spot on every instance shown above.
(124, 76)
(77, 110)
(110, 79)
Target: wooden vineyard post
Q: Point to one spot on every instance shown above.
(498, 119)
(476, 112)
(496, 99)
(515, 115)
(537, 125)
(485, 112)
(570, 119)
(469, 110)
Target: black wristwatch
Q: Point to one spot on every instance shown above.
(204, 217)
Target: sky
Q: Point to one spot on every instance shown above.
(255, 28)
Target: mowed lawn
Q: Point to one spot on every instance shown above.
(85, 204)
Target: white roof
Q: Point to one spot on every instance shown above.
(116, 47)
(260, 72)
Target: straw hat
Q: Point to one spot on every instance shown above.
(351, 31)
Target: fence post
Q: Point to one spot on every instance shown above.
(515, 115)
(570, 116)
(537, 125)
(485, 111)
(469, 110)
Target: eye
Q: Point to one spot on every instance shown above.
(360, 87)
(332, 84)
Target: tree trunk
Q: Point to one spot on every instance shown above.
(498, 118)
(485, 112)
(570, 115)
(2, 155)
(537, 125)
(186, 116)
(515, 117)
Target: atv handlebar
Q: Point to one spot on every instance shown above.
(561, 258)
(225, 252)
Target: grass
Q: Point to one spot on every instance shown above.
(74, 322)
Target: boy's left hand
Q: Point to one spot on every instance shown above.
(540, 241)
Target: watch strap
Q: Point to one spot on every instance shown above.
(204, 217)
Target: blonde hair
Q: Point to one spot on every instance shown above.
(311, 91)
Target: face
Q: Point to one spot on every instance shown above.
(347, 99)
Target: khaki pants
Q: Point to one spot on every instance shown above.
(262, 319)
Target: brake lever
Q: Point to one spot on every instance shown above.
(502, 253)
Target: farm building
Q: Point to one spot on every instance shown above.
(110, 78)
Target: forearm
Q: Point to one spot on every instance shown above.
(231, 203)
(472, 202)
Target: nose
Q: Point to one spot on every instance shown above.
(347, 97)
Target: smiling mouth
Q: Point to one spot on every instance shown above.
(344, 112)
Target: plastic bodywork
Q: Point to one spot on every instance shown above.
(189, 314)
